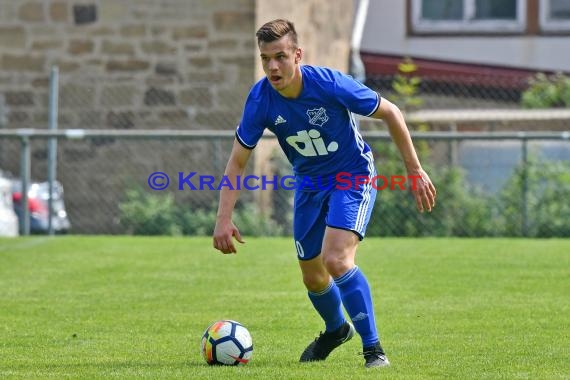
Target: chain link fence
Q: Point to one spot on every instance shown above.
(452, 92)
(155, 183)
(481, 91)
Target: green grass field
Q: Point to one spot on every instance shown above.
(127, 307)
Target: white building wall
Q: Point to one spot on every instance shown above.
(385, 33)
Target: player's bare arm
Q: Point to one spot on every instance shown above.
(424, 192)
(225, 230)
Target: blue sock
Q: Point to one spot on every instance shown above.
(329, 306)
(356, 298)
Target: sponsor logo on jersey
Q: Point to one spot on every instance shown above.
(310, 143)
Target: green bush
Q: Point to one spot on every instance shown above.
(460, 210)
(547, 91)
(406, 86)
(547, 200)
(250, 222)
(144, 213)
(197, 221)
(463, 210)
(148, 213)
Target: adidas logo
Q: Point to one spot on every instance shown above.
(359, 317)
(280, 120)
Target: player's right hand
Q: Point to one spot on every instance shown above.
(224, 231)
(423, 190)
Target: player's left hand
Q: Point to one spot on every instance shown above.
(423, 190)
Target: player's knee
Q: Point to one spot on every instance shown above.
(316, 282)
(337, 264)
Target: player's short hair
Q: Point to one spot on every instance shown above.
(274, 30)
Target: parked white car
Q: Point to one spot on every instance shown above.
(8, 218)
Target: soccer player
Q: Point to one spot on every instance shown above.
(310, 110)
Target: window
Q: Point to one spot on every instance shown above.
(468, 16)
(555, 15)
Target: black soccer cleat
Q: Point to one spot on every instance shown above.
(375, 357)
(322, 346)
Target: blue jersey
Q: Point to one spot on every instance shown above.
(316, 130)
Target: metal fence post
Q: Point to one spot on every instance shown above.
(524, 186)
(52, 143)
(452, 146)
(25, 180)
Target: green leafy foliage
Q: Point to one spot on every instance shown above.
(148, 213)
(461, 210)
(145, 213)
(406, 86)
(547, 209)
(251, 222)
(464, 210)
(547, 91)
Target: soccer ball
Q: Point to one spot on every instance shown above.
(226, 342)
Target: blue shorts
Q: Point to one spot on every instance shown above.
(338, 208)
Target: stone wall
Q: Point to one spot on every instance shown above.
(129, 63)
(324, 28)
